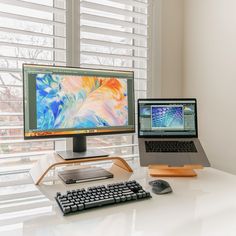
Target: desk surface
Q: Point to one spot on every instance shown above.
(199, 206)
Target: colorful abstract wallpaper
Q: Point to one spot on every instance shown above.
(167, 117)
(80, 102)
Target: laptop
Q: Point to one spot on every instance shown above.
(168, 133)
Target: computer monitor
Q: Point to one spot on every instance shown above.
(77, 102)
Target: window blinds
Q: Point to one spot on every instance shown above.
(30, 32)
(113, 35)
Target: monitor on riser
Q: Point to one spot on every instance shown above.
(77, 102)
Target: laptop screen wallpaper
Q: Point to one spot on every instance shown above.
(167, 117)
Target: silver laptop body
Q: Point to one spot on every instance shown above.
(174, 122)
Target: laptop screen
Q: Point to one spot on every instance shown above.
(167, 118)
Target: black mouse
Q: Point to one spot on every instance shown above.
(160, 186)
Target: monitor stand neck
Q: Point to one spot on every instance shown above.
(79, 144)
(80, 150)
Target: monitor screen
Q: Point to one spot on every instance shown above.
(167, 118)
(66, 101)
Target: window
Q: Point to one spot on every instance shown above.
(113, 35)
(30, 32)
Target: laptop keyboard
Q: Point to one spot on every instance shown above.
(170, 146)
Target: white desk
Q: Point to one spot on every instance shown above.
(201, 206)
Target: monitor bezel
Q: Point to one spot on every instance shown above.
(167, 99)
(74, 135)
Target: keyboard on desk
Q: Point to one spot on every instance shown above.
(170, 146)
(97, 196)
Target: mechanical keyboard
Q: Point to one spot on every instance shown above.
(170, 146)
(97, 196)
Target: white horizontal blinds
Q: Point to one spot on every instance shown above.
(113, 35)
(31, 31)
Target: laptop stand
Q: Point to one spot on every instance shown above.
(172, 171)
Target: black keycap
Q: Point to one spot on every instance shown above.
(64, 202)
(99, 203)
(123, 198)
(66, 210)
(74, 208)
(68, 204)
(117, 199)
(80, 207)
(140, 195)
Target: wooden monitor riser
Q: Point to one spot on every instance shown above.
(166, 171)
(42, 167)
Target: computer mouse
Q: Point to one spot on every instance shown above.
(160, 186)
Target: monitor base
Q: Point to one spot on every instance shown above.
(167, 171)
(70, 155)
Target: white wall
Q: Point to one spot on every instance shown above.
(210, 75)
(167, 48)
